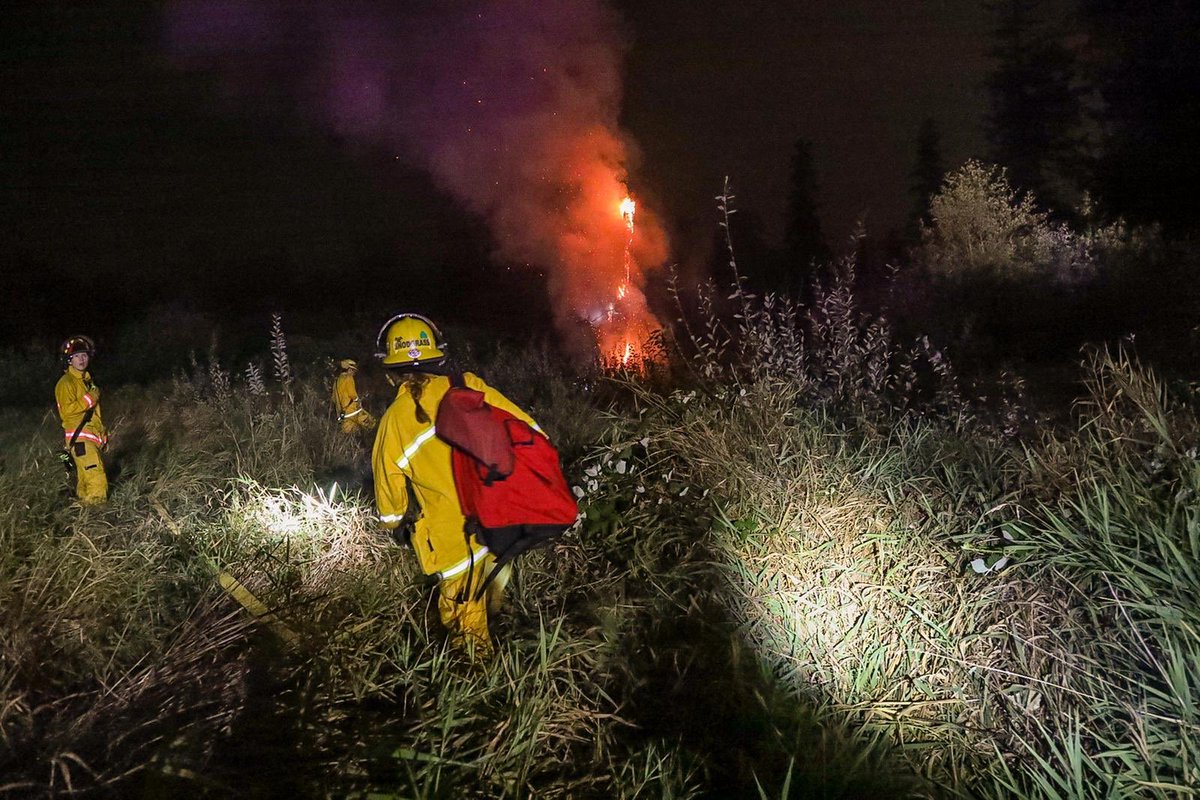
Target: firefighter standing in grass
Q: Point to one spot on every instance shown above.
(78, 401)
(408, 453)
(351, 415)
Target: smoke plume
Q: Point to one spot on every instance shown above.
(511, 105)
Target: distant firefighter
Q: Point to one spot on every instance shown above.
(351, 414)
(409, 455)
(78, 400)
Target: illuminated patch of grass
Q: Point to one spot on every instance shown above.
(1014, 619)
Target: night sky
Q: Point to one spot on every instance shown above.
(138, 170)
(717, 89)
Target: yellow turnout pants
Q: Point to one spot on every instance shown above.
(91, 482)
(464, 616)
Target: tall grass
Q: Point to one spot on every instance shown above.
(99, 677)
(1122, 544)
(806, 567)
(1014, 619)
(126, 664)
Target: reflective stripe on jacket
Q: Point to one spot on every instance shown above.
(75, 394)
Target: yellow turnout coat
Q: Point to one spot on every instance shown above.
(409, 451)
(75, 394)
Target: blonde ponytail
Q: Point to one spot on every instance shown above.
(415, 383)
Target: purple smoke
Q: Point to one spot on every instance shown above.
(511, 105)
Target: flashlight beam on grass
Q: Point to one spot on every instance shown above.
(234, 588)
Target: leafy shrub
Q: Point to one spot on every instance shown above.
(833, 353)
(979, 224)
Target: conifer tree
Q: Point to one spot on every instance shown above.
(1035, 121)
(804, 243)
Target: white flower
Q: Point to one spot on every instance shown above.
(578, 492)
(980, 566)
(592, 471)
(621, 465)
(640, 489)
(593, 486)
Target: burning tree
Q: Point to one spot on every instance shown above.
(627, 324)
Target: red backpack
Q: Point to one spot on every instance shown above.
(508, 476)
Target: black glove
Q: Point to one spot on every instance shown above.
(402, 534)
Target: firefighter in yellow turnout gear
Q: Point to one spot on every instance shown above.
(351, 415)
(78, 400)
(408, 452)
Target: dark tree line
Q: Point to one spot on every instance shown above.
(1144, 59)
(1088, 98)
(805, 244)
(1102, 97)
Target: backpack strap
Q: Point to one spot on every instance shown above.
(502, 559)
(464, 594)
(500, 563)
(87, 417)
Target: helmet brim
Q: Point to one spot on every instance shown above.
(439, 366)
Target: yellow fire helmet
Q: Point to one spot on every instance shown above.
(410, 340)
(77, 344)
(348, 363)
